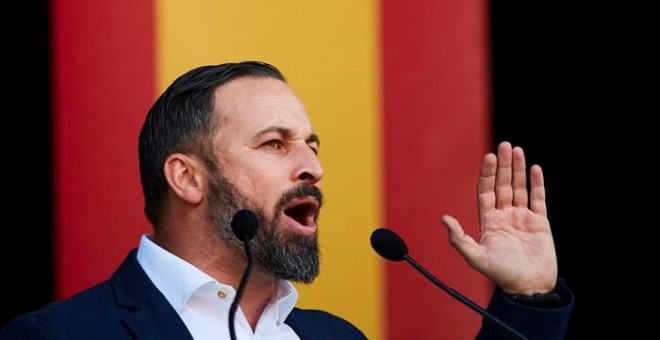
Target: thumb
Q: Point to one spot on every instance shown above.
(463, 243)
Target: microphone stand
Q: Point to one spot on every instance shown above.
(241, 288)
(463, 299)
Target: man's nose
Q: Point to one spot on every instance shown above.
(308, 167)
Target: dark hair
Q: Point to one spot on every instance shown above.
(181, 120)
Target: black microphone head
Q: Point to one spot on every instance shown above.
(244, 224)
(388, 244)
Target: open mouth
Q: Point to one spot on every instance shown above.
(301, 213)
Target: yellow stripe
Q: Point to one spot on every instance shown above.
(329, 52)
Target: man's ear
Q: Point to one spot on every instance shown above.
(186, 177)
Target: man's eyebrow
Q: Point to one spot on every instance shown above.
(280, 130)
(313, 138)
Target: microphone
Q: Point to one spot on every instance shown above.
(392, 247)
(244, 224)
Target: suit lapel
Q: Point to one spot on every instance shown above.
(153, 317)
(152, 324)
(296, 321)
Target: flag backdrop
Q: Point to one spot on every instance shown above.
(398, 92)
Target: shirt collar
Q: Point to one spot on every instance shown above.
(178, 280)
(285, 300)
(174, 277)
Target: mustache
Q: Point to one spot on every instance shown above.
(300, 191)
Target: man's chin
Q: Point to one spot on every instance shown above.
(301, 279)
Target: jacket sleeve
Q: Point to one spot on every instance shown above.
(534, 323)
(30, 327)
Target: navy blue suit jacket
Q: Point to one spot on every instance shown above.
(129, 306)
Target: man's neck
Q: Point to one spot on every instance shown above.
(259, 292)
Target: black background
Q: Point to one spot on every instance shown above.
(26, 247)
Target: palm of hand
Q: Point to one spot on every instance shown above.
(517, 250)
(515, 247)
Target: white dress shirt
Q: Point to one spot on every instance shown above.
(203, 303)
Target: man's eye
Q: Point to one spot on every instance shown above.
(275, 144)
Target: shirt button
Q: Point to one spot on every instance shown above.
(222, 294)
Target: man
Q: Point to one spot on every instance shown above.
(232, 136)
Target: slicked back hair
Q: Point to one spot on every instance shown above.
(182, 121)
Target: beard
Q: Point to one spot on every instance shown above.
(277, 251)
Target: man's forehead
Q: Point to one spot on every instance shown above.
(260, 102)
(246, 88)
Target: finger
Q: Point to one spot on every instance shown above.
(519, 178)
(486, 184)
(537, 191)
(466, 245)
(503, 189)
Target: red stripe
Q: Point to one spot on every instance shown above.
(103, 56)
(436, 129)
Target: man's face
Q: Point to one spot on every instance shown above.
(265, 152)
